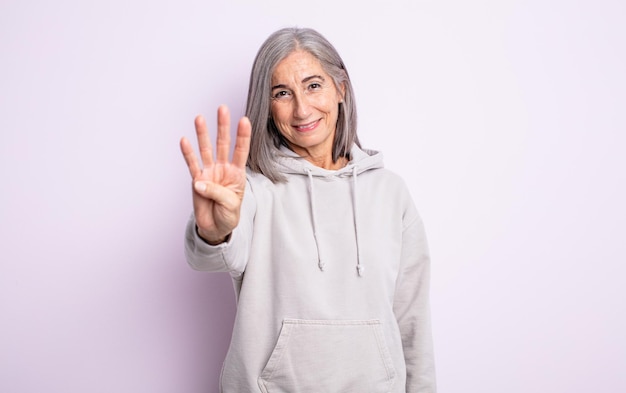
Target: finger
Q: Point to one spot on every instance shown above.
(223, 134)
(242, 145)
(190, 157)
(204, 142)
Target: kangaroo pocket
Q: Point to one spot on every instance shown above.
(333, 356)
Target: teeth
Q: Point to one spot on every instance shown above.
(306, 126)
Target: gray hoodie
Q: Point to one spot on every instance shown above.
(331, 273)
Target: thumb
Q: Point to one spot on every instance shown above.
(219, 194)
(200, 187)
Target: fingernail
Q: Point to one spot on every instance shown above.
(199, 186)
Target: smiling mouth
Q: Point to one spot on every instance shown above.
(306, 127)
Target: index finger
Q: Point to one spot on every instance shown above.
(242, 144)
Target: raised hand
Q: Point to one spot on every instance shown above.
(218, 185)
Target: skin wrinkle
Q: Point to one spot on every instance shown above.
(303, 97)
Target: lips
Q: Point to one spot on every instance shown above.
(306, 127)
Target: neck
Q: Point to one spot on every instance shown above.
(322, 159)
(327, 162)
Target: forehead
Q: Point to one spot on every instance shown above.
(297, 66)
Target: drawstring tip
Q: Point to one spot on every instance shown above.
(359, 269)
(321, 265)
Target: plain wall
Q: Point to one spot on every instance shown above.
(506, 119)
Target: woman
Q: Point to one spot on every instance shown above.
(325, 247)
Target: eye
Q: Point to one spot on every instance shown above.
(315, 86)
(281, 94)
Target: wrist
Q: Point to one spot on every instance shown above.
(207, 238)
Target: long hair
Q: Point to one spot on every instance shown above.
(266, 139)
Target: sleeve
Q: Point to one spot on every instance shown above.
(230, 256)
(411, 306)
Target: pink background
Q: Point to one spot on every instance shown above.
(506, 118)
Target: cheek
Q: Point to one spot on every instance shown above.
(331, 106)
(280, 114)
(329, 101)
(281, 120)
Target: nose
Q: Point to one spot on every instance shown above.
(301, 107)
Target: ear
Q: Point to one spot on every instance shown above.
(342, 91)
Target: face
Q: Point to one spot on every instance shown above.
(305, 105)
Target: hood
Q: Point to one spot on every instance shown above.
(362, 160)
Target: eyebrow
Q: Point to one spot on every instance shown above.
(308, 78)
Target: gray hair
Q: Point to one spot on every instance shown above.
(266, 139)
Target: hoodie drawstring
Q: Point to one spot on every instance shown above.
(320, 262)
(359, 266)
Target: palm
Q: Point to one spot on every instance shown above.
(215, 216)
(217, 207)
